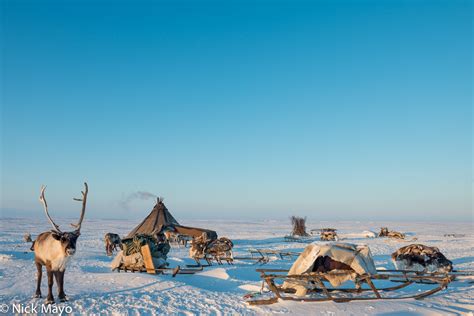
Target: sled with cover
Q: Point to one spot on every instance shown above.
(320, 271)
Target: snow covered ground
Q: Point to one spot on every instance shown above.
(94, 289)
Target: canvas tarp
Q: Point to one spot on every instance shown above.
(195, 232)
(358, 257)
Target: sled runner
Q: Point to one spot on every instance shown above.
(318, 289)
(171, 271)
(302, 239)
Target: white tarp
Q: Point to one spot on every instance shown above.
(358, 257)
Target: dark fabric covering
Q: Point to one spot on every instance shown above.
(195, 232)
(155, 221)
(161, 218)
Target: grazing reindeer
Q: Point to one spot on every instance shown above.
(111, 242)
(27, 237)
(53, 249)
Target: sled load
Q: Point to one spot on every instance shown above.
(320, 271)
(328, 234)
(139, 249)
(317, 231)
(419, 257)
(209, 250)
(384, 232)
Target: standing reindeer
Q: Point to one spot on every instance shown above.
(53, 249)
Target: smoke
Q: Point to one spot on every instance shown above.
(139, 195)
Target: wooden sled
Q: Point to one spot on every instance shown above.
(321, 290)
(150, 267)
(209, 260)
(263, 256)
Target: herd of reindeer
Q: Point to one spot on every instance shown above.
(53, 249)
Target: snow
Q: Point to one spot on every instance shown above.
(94, 289)
(219, 273)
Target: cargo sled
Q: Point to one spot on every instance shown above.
(320, 271)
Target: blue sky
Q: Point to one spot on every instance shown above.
(238, 109)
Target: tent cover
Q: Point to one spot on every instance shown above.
(160, 219)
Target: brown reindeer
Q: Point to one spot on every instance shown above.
(53, 249)
(111, 242)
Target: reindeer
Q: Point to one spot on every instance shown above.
(53, 249)
(111, 242)
(27, 237)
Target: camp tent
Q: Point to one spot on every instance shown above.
(160, 218)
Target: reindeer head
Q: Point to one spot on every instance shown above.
(67, 239)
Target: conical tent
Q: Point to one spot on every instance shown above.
(160, 217)
(155, 221)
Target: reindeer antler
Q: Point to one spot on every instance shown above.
(45, 205)
(83, 211)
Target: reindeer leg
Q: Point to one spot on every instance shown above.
(62, 295)
(50, 298)
(39, 275)
(58, 283)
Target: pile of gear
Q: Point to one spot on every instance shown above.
(329, 234)
(131, 256)
(211, 249)
(384, 232)
(420, 257)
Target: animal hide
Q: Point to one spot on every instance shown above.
(419, 257)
